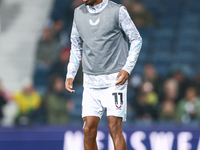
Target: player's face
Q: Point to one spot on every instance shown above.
(90, 2)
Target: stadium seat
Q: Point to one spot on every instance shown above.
(183, 57)
(40, 76)
(161, 58)
(192, 6)
(185, 68)
(162, 69)
(168, 21)
(186, 45)
(188, 32)
(146, 32)
(190, 20)
(151, 3)
(162, 44)
(138, 68)
(164, 33)
(142, 57)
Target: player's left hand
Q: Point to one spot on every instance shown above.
(122, 77)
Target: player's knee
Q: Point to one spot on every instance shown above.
(90, 131)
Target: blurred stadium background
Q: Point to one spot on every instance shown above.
(36, 113)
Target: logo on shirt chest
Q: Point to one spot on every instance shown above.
(94, 23)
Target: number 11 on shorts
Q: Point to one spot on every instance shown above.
(118, 99)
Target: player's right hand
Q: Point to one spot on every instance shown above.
(69, 85)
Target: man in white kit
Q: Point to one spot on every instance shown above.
(99, 38)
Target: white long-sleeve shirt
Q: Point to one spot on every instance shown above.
(101, 81)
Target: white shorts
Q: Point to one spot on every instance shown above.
(96, 100)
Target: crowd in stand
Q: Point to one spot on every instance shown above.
(43, 99)
(150, 99)
(174, 98)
